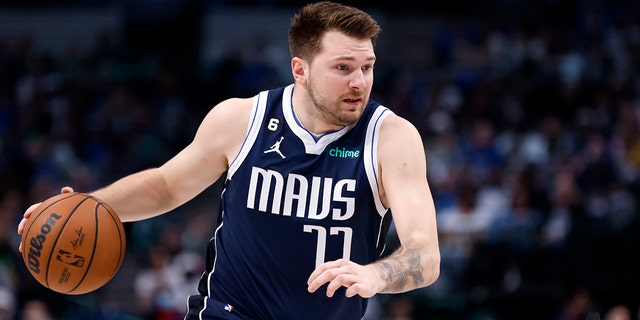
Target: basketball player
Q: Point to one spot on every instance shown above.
(315, 171)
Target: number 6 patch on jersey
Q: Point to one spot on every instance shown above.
(273, 124)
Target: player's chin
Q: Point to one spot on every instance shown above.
(349, 117)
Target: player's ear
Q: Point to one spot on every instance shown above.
(299, 69)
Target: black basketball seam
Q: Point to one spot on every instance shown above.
(117, 223)
(61, 229)
(121, 233)
(95, 245)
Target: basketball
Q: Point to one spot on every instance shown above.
(73, 243)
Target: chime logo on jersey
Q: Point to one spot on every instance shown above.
(291, 195)
(338, 152)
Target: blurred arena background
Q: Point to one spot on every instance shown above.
(530, 113)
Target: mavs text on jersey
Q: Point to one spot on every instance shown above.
(293, 196)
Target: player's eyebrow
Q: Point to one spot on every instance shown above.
(353, 58)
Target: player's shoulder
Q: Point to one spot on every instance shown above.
(234, 105)
(396, 126)
(399, 141)
(229, 112)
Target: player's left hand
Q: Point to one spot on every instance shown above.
(30, 210)
(358, 279)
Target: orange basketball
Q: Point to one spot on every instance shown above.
(73, 243)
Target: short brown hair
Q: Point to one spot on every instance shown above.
(315, 19)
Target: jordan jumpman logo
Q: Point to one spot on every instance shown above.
(276, 148)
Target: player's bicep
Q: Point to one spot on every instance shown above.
(206, 158)
(189, 173)
(404, 180)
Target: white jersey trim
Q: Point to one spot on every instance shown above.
(257, 118)
(370, 154)
(312, 144)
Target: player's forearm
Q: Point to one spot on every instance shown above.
(410, 267)
(138, 196)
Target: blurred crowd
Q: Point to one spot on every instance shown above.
(530, 114)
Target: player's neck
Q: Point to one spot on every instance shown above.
(310, 117)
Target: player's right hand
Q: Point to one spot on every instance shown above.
(28, 212)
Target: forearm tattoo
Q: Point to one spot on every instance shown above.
(402, 270)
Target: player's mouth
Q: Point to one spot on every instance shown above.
(352, 101)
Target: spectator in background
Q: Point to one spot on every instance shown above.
(517, 228)
(480, 152)
(618, 312)
(461, 228)
(7, 303)
(564, 197)
(577, 306)
(158, 287)
(36, 310)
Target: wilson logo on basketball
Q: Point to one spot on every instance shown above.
(37, 241)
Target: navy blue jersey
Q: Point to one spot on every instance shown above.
(291, 202)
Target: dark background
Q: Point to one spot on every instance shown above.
(529, 110)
